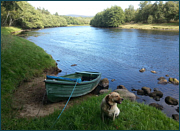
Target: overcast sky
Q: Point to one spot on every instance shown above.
(88, 8)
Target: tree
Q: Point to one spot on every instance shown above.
(129, 14)
(171, 10)
(150, 19)
(11, 9)
(110, 17)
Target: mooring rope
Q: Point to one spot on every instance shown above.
(65, 105)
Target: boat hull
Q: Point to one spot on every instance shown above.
(61, 89)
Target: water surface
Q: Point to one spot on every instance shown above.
(118, 54)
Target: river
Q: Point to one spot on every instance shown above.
(118, 54)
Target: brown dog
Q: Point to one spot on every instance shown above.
(109, 105)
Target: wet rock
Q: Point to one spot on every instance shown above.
(104, 83)
(140, 92)
(156, 93)
(163, 81)
(174, 81)
(161, 78)
(154, 72)
(134, 89)
(121, 87)
(177, 109)
(146, 90)
(175, 117)
(58, 60)
(156, 98)
(156, 89)
(142, 70)
(113, 80)
(104, 91)
(125, 94)
(171, 101)
(74, 65)
(167, 75)
(157, 106)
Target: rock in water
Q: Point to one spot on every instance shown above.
(146, 90)
(156, 105)
(121, 87)
(174, 81)
(153, 72)
(171, 101)
(104, 83)
(142, 70)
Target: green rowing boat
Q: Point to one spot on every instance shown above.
(60, 88)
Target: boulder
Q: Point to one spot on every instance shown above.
(142, 70)
(161, 78)
(162, 81)
(175, 117)
(121, 87)
(156, 93)
(125, 94)
(157, 106)
(171, 101)
(174, 81)
(177, 109)
(153, 72)
(104, 83)
(146, 90)
(104, 91)
(140, 92)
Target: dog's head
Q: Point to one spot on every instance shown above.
(113, 97)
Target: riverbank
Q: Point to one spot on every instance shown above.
(162, 26)
(29, 61)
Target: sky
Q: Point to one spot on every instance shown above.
(87, 8)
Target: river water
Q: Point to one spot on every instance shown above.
(118, 54)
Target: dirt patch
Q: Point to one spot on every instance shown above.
(28, 98)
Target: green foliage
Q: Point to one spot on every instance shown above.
(110, 17)
(160, 12)
(26, 16)
(129, 14)
(150, 19)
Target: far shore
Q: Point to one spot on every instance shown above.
(163, 26)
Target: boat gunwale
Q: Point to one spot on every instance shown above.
(60, 82)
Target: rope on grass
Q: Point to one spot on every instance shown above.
(65, 105)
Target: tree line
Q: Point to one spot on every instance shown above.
(157, 12)
(24, 15)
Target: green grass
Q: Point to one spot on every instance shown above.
(8, 30)
(22, 60)
(87, 116)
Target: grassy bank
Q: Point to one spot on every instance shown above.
(22, 60)
(86, 116)
(162, 26)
